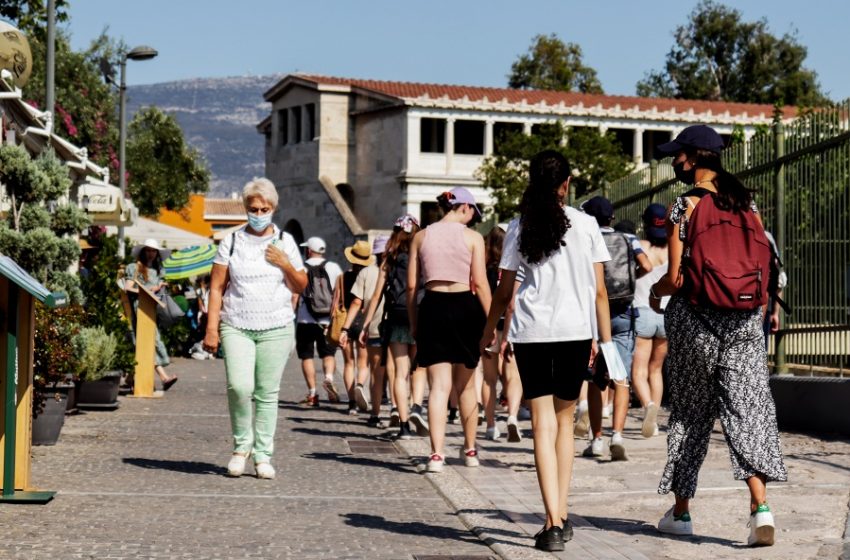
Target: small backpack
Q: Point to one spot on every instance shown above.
(620, 270)
(319, 294)
(727, 261)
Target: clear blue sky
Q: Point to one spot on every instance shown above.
(469, 42)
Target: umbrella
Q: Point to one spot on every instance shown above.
(188, 262)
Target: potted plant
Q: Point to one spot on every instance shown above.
(53, 360)
(96, 350)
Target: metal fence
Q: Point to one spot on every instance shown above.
(801, 174)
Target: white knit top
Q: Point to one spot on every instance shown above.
(256, 297)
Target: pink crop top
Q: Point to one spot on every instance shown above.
(444, 255)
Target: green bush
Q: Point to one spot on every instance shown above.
(95, 350)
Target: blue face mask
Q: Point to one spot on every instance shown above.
(259, 223)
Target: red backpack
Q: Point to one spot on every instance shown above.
(727, 258)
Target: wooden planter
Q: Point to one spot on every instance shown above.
(47, 426)
(100, 394)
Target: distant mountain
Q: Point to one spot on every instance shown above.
(218, 117)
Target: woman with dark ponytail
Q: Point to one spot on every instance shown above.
(560, 305)
(716, 361)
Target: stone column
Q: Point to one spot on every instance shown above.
(450, 144)
(637, 146)
(488, 137)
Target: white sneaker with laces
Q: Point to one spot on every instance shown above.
(493, 433)
(435, 463)
(606, 411)
(618, 448)
(676, 525)
(514, 435)
(762, 527)
(595, 448)
(236, 465)
(650, 414)
(264, 470)
(470, 457)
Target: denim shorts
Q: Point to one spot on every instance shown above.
(650, 324)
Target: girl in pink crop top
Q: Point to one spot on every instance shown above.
(447, 325)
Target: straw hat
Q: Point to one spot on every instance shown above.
(360, 253)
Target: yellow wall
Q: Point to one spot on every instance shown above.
(190, 218)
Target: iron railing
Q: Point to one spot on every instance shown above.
(800, 172)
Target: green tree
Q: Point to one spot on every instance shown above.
(163, 169)
(31, 15)
(717, 56)
(554, 65)
(595, 157)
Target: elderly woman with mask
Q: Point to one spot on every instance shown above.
(255, 273)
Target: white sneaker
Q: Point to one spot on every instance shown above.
(470, 457)
(617, 448)
(655, 430)
(595, 448)
(524, 414)
(676, 525)
(514, 435)
(264, 470)
(199, 355)
(606, 411)
(761, 527)
(650, 414)
(582, 425)
(435, 463)
(236, 465)
(493, 433)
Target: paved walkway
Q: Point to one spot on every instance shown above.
(147, 481)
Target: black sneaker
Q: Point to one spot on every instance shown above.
(568, 530)
(418, 421)
(452, 415)
(394, 418)
(404, 431)
(550, 540)
(375, 422)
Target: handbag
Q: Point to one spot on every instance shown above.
(338, 316)
(170, 313)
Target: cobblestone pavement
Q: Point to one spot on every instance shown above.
(147, 481)
(615, 506)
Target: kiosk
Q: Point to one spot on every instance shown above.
(18, 293)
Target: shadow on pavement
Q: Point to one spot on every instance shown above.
(190, 467)
(810, 457)
(419, 528)
(636, 526)
(362, 461)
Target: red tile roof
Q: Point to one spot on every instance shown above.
(224, 207)
(413, 90)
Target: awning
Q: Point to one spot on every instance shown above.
(168, 236)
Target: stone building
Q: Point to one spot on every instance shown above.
(349, 155)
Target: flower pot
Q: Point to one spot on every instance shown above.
(48, 424)
(72, 395)
(102, 393)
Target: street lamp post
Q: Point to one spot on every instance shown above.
(137, 53)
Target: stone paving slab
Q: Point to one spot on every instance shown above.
(615, 505)
(147, 481)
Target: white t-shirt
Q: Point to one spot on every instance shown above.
(334, 272)
(256, 297)
(557, 298)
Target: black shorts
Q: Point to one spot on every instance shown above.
(310, 336)
(449, 329)
(552, 368)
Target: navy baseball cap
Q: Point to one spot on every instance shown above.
(655, 221)
(698, 136)
(599, 207)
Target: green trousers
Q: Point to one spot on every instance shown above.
(254, 362)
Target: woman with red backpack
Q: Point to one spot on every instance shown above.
(718, 275)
